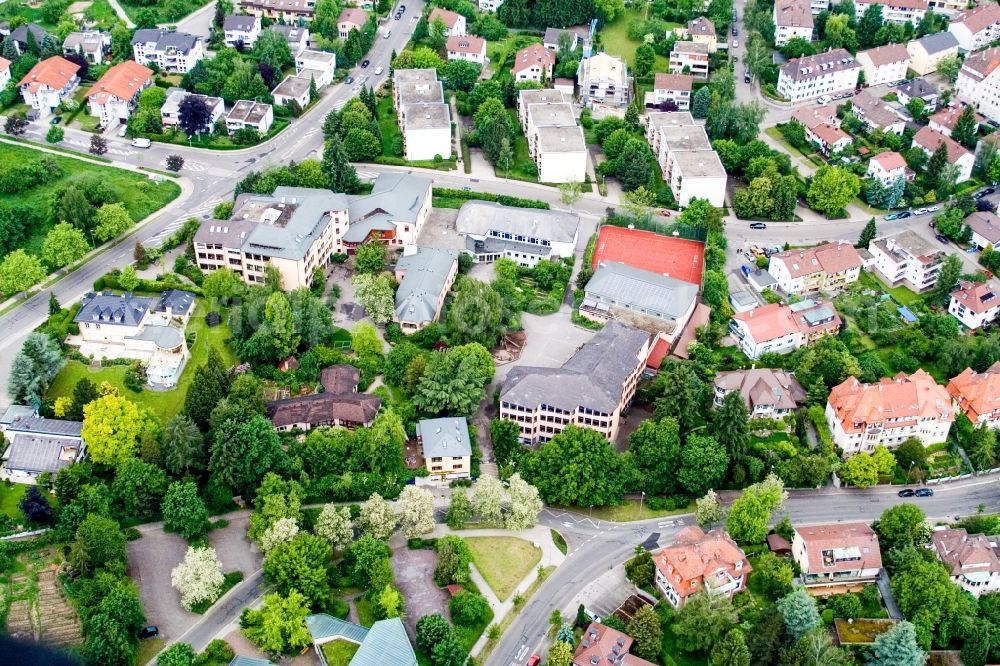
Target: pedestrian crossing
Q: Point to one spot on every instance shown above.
(200, 213)
(196, 167)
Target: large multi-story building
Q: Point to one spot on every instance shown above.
(287, 11)
(781, 329)
(888, 412)
(424, 118)
(929, 50)
(971, 559)
(792, 18)
(690, 58)
(767, 393)
(977, 395)
(425, 275)
(116, 94)
(699, 560)
(829, 73)
(603, 79)
(241, 29)
(48, 84)
(837, 553)
(884, 64)
(555, 141)
(591, 390)
(524, 235)
(907, 258)
(978, 82)
(688, 162)
(977, 27)
(826, 267)
(295, 230)
(895, 11)
(174, 52)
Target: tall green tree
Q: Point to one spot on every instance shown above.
(732, 650)
(184, 511)
(703, 621)
(336, 166)
(33, 369)
(244, 451)
(703, 464)
(898, 647)
(183, 447)
(799, 612)
(867, 234)
(750, 514)
(300, 564)
(576, 467)
(731, 426)
(832, 188)
(656, 450)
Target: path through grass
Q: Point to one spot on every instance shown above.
(503, 561)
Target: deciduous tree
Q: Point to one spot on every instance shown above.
(198, 577)
(111, 220)
(279, 626)
(902, 525)
(99, 542)
(19, 272)
(300, 564)
(416, 511)
(334, 524)
(63, 245)
(487, 500)
(524, 505)
(751, 513)
(184, 511)
(703, 464)
(283, 529)
(376, 294)
(459, 509)
(377, 519)
(576, 467)
(704, 620)
(708, 509)
(832, 188)
(113, 427)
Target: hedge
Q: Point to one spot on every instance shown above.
(110, 281)
(502, 199)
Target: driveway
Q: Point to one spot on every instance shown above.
(549, 341)
(235, 550)
(150, 561)
(414, 571)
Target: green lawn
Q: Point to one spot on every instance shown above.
(216, 142)
(148, 649)
(166, 12)
(102, 14)
(229, 581)
(503, 561)
(902, 295)
(137, 192)
(366, 615)
(523, 167)
(10, 499)
(631, 511)
(165, 404)
(616, 41)
(339, 653)
(388, 125)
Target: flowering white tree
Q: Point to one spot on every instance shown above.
(487, 500)
(198, 577)
(283, 529)
(375, 293)
(524, 505)
(709, 509)
(334, 525)
(416, 511)
(377, 517)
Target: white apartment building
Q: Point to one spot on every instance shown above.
(887, 168)
(971, 559)
(424, 118)
(978, 82)
(977, 28)
(907, 258)
(826, 267)
(241, 29)
(526, 236)
(884, 64)
(603, 79)
(836, 553)
(489, 5)
(533, 63)
(114, 97)
(290, 12)
(894, 11)
(887, 413)
(690, 58)
(688, 162)
(974, 304)
(467, 47)
(318, 65)
(454, 22)
(792, 18)
(670, 89)
(174, 52)
(93, 45)
(781, 329)
(48, 83)
(248, 113)
(555, 141)
(959, 157)
(828, 73)
(948, 7)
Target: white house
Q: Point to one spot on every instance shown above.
(248, 113)
(907, 258)
(114, 97)
(687, 161)
(792, 18)
(524, 235)
(971, 559)
(829, 73)
(296, 37)
(533, 63)
(467, 47)
(826, 267)
(427, 131)
(929, 140)
(670, 89)
(702, 29)
(978, 82)
(985, 229)
(489, 5)
(977, 27)
(174, 52)
(319, 65)
(241, 29)
(49, 83)
(553, 35)
(929, 50)
(837, 553)
(561, 155)
(169, 112)
(690, 58)
(829, 138)
(884, 64)
(781, 329)
(454, 22)
(944, 121)
(351, 18)
(887, 168)
(975, 304)
(894, 11)
(93, 45)
(292, 89)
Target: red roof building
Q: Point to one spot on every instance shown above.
(601, 644)
(978, 395)
(700, 560)
(837, 553)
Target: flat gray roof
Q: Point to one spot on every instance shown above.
(556, 114)
(544, 96)
(427, 116)
(447, 436)
(40, 453)
(43, 426)
(480, 217)
(292, 86)
(561, 140)
(400, 76)
(685, 137)
(419, 92)
(657, 294)
(699, 164)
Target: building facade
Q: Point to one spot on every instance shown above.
(977, 395)
(929, 50)
(524, 235)
(830, 73)
(48, 84)
(781, 329)
(174, 52)
(906, 258)
(976, 28)
(114, 97)
(826, 267)
(884, 64)
(792, 18)
(700, 561)
(837, 553)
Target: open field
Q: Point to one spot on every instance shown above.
(503, 561)
(617, 42)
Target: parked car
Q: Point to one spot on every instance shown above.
(933, 209)
(745, 269)
(905, 492)
(891, 216)
(823, 99)
(987, 274)
(942, 239)
(140, 142)
(379, 70)
(972, 249)
(983, 193)
(349, 80)
(123, 130)
(735, 31)
(150, 631)
(758, 225)
(56, 120)
(905, 214)
(921, 211)
(365, 63)
(746, 75)
(386, 34)
(399, 15)
(924, 492)
(533, 660)
(736, 43)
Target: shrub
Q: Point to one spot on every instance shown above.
(468, 608)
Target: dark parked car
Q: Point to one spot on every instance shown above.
(905, 214)
(56, 120)
(365, 63)
(941, 239)
(349, 80)
(983, 193)
(924, 492)
(735, 31)
(151, 631)
(758, 225)
(906, 492)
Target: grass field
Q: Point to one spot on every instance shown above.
(901, 294)
(523, 167)
(137, 192)
(339, 653)
(148, 649)
(165, 404)
(168, 11)
(631, 511)
(10, 499)
(503, 561)
(388, 125)
(213, 141)
(366, 614)
(617, 42)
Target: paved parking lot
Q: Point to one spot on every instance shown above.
(150, 561)
(414, 571)
(551, 340)
(236, 551)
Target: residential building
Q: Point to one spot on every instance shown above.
(533, 63)
(248, 113)
(338, 405)
(525, 235)
(292, 89)
(656, 303)
(977, 395)
(241, 29)
(906, 258)
(781, 329)
(792, 18)
(829, 73)
(701, 561)
(467, 47)
(978, 82)
(424, 118)
(552, 36)
(48, 83)
(351, 18)
(818, 6)
(564, 86)
(561, 154)
(702, 30)
(971, 559)
(887, 168)
(446, 447)
(453, 21)
(767, 393)
(826, 267)
(811, 116)
(385, 643)
(296, 37)
(884, 64)
(317, 65)
(670, 90)
(917, 89)
(975, 304)
(837, 553)
(830, 139)
(603, 79)
(690, 58)
(116, 94)
(653, 121)
(4, 72)
(944, 120)
(985, 229)
(888, 412)
(292, 12)
(425, 275)
(958, 156)
(296, 230)
(601, 642)
(37, 446)
(170, 111)
(976, 28)
(876, 113)
(173, 52)
(93, 45)
(150, 330)
(895, 11)
(927, 52)
(687, 160)
(489, 5)
(591, 390)
(19, 36)
(546, 97)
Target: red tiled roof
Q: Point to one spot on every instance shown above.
(902, 398)
(607, 644)
(977, 393)
(531, 56)
(930, 140)
(890, 160)
(696, 555)
(354, 16)
(886, 55)
(449, 18)
(54, 72)
(664, 81)
(829, 134)
(4, 64)
(123, 81)
(983, 62)
(466, 44)
(948, 116)
(965, 553)
(820, 538)
(980, 18)
(976, 297)
(831, 258)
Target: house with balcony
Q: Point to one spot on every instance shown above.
(971, 559)
(290, 12)
(690, 58)
(170, 111)
(699, 560)
(424, 117)
(829, 73)
(241, 29)
(899, 12)
(670, 90)
(93, 45)
(767, 393)
(113, 98)
(977, 27)
(173, 52)
(600, 642)
(907, 258)
(829, 139)
(975, 304)
(48, 84)
(827, 267)
(918, 88)
(888, 412)
(446, 447)
(781, 329)
(527, 236)
(836, 553)
(686, 157)
(316, 65)
(887, 168)
(977, 395)
(876, 113)
(978, 82)
(603, 79)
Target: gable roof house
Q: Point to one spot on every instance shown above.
(781, 329)
(811, 116)
(876, 114)
(977, 395)
(929, 50)
(602, 644)
(702, 30)
(884, 64)
(241, 29)
(386, 642)
(836, 553)
(349, 409)
(895, 11)
(446, 447)
(975, 304)
(698, 560)
(49, 83)
(37, 445)
(828, 73)
(944, 121)
(768, 393)
(4, 72)
(887, 168)
(19, 36)
(453, 21)
(551, 39)
(287, 11)
(116, 94)
(93, 45)
(918, 88)
(467, 47)
(425, 275)
(175, 52)
(826, 267)
(958, 156)
(977, 27)
(670, 88)
(985, 229)
(971, 559)
(533, 63)
(792, 18)
(830, 139)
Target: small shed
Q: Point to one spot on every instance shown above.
(779, 545)
(289, 364)
(907, 314)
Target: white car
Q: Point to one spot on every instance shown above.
(122, 131)
(379, 70)
(933, 209)
(824, 99)
(921, 211)
(736, 43)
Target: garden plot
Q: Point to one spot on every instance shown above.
(60, 625)
(38, 608)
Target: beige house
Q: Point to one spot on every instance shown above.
(836, 553)
(446, 447)
(533, 63)
(690, 58)
(351, 18)
(702, 30)
(927, 52)
(884, 64)
(792, 18)
(425, 275)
